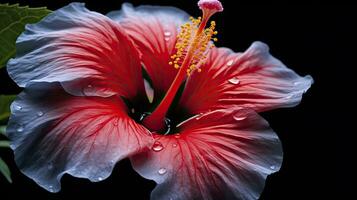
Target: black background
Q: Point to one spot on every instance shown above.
(309, 37)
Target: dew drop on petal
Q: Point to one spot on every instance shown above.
(167, 33)
(50, 188)
(17, 107)
(234, 80)
(40, 113)
(230, 63)
(115, 122)
(239, 117)
(199, 116)
(157, 146)
(272, 167)
(100, 178)
(20, 128)
(112, 162)
(162, 171)
(88, 90)
(177, 136)
(289, 96)
(167, 39)
(174, 145)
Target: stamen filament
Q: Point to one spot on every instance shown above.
(193, 50)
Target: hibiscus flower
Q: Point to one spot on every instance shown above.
(147, 83)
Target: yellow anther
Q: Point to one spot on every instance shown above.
(194, 43)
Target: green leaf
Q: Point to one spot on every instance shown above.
(4, 143)
(13, 19)
(4, 169)
(3, 130)
(5, 101)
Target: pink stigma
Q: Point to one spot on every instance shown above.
(210, 5)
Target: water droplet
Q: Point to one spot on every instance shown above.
(167, 39)
(177, 136)
(272, 167)
(39, 113)
(112, 161)
(174, 145)
(50, 188)
(289, 96)
(234, 80)
(230, 62)
(17, 107)
(115, 122)
(89, 90)
(199, 116)
(132, 110)
(157, 146)
(162, 171)
(100, 178)
(239, 117)
(20, 129)
(167, 33)
(297, 83)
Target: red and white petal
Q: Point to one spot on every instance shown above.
(253, 79)
(154, 30)
(88, 53)
(223, 154)
(53, 133)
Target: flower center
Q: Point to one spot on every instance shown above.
(193, 44)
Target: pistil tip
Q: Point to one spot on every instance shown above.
(214, 5)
